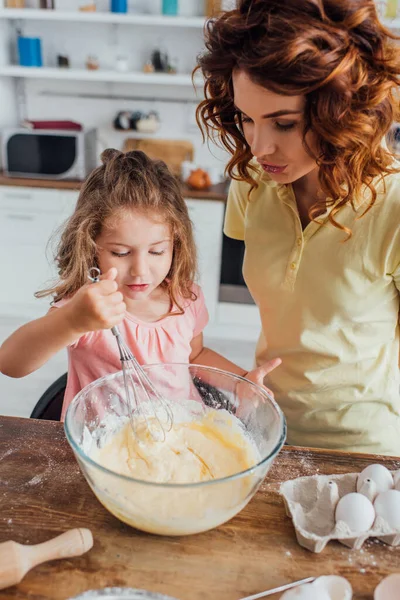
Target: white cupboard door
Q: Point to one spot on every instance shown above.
(29, 232)
(207, 217)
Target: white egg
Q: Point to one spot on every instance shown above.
(388, 589)
(379, 474)
(396, 479)
(306, 592)
(329, 587)
(387, 506)
(356, 511)
(337, 587)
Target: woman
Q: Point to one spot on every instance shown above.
(301, 93)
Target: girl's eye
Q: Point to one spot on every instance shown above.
(285, 126)
(157, 253)
(120, 254)
(246, 119)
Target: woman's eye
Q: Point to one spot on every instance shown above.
(285, 126)
(120, 254)
(157, 253)
(240, 118)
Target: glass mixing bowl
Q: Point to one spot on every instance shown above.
(99, 411)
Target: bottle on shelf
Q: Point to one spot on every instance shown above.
(47, 4)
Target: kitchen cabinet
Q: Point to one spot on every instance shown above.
(29, 217)
(207, 217)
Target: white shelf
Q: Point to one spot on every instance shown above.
(99, 75)
(32, 14)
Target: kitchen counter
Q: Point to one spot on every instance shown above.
(43, 493)
(216, 192)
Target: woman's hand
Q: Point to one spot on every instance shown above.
(257, 375)
(97, 306)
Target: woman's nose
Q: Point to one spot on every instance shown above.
(262, 144)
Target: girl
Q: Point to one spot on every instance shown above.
(132, 223)
(301, 94)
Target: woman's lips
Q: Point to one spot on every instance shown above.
(275, 169)
(138, 287)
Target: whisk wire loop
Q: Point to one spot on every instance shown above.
(145, 404)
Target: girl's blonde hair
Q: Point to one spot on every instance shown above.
(125, 181)
(337, 54)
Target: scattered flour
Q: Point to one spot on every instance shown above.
(35, 480)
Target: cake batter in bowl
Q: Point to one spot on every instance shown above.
(226, 433)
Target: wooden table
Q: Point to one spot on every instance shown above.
(43, 493)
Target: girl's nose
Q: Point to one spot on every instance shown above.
(139, 266)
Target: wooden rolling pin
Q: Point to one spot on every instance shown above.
(16, 559)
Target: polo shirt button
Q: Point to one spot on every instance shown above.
(299, 241)
(293, 266)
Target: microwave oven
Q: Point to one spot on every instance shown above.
(49, 153)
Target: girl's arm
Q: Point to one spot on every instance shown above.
(92, 308)
(201, 355)
(33, 344)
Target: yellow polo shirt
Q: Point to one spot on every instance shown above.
(330, 310)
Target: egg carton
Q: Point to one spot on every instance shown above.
(309, 502)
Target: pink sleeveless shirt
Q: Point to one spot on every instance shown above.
(95, 354)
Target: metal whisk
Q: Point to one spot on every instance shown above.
(146, 405)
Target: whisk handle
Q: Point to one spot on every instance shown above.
(94, 276)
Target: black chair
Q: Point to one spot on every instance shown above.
(49, 405)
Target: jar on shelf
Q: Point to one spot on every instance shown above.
(119, 6)
(15, 3)
(170, 7)
(122, 63)
(47, 4)
(92, 62)
(87, 6)
(212, 7)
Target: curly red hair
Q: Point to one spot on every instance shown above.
(334, 52)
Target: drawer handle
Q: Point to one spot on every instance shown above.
(11, 196)
(20, 217)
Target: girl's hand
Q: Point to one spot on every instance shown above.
(258, 375)
(97, 306)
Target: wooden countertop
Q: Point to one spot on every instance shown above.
(43, 493)
(216, 192)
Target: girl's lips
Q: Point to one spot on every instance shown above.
(275, 169)
(138, 287)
